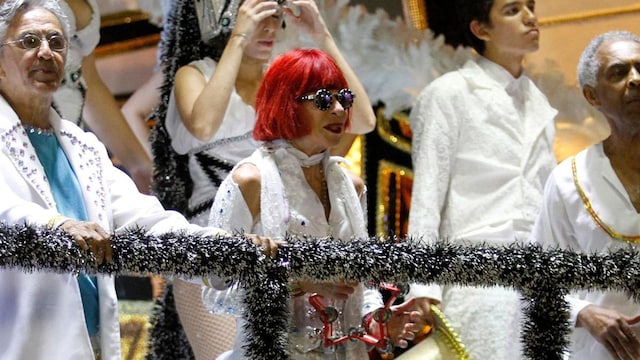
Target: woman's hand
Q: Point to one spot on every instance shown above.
(269, 246)
(251, 13)
(90, 236)
(402, 325)
(423, 307)
(307, 17)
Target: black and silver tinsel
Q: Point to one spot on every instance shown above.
(542, 277)
(180, 45)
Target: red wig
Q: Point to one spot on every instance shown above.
(291, 75)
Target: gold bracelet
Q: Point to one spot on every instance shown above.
(52, 222)
(243, 35)
(295, 289)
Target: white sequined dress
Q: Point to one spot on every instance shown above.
(289, 205)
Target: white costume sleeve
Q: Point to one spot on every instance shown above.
(553, 229)
(372, 300)
(434, 120)
(229, 211)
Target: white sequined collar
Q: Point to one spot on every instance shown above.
(38, 130)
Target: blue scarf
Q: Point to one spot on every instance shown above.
(69, 202)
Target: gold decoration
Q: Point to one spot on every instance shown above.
(416, 13)
(393, 198)
(594, 214)
(443, 343)
(354, 156)
(589, 15)
(395, 131)
(133, 336)
(123, 17)
(449, 335)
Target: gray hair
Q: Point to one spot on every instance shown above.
(10, 8)
(588, 65)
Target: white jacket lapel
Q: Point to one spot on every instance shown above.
(16, 144)
(86, 157)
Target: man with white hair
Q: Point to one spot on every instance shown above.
(592, 200)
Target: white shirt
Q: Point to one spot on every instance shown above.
(564, 222)
(480, 158)
(482, 150)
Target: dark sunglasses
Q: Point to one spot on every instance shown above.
(323, 98)
(29, 41)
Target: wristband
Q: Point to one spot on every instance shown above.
(55, 221)
(295, 289)
(242, 35)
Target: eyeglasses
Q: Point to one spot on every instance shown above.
(323, 98)
(29, 41)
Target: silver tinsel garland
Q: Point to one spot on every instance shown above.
(543, 277)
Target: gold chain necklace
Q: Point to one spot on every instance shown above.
(323, 196)
(594, 215)
(325, 193)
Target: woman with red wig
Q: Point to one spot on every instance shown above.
(291, 185)
(210, 117)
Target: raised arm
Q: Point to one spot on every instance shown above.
(310, 20)
(202, 104)
(140, 106)
(102, 113)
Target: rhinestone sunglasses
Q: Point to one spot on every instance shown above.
(323, 98)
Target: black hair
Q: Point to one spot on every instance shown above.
(468, 11)
(453, 18)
